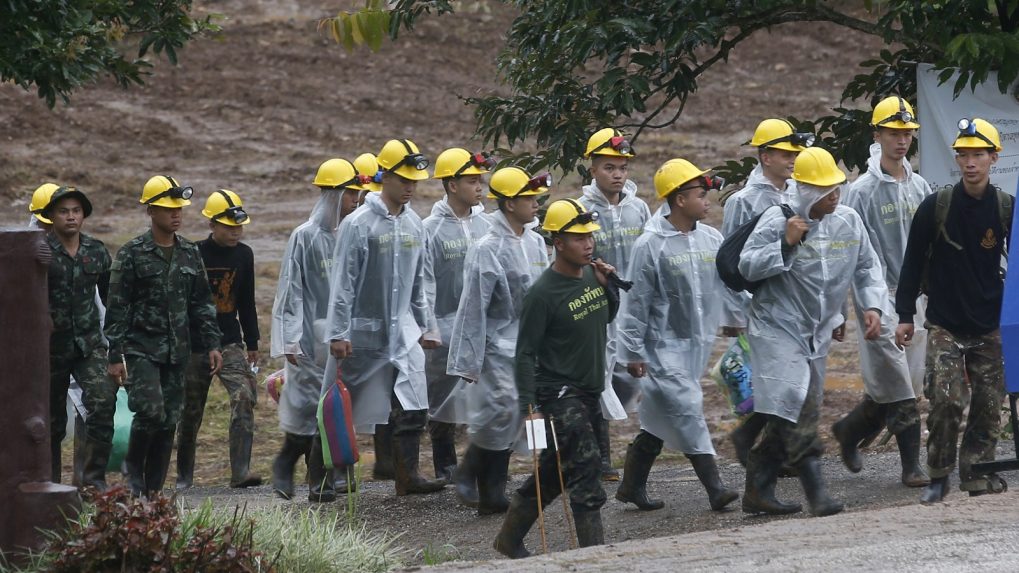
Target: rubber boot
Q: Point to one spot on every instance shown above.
(320, 479)
(185, 460)
(745, 435)
(633, 489)
(589, 528)
(492, 482)
(294, 446)
(936, 491)
(56, 468)
(848, 431)
(608, 473)
(384, 468)
(443, 449)
(97, 455)
(759, 494)
(240, 459)
(522, 514)
(78, 455)
(466, 476)
(706, 469)
(821, 504)
(157, 461)
(134, 460)
(344, 479)
(913, 474)
(406, 449)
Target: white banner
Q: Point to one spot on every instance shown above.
(939, 116)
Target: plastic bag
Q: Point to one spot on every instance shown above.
(122, 419)
(732, 374)
(274, 384)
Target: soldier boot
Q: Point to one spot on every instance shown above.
(320, 479)
(383, 438)
(465, 478)
(633, 489)
(185, 461)
(759, 494)
(608, 473)
(589, 528)
(344, 479)
(935, 491)
(294, 446)
(97, 455)
(443, 449)
(492, 482)
(134, 460)
(821, 504)
(744, 436)
(240, 459)
(157, 461)
(850, 431)
(406, 450)
(706, 469)
(913, 474)
(522, 514)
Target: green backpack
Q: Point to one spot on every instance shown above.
(944, 202)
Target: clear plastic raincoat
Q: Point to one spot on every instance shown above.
(886, 206)
(497, 273)
(793, 313)
(302, 295)
(378, 303)
(669, 321)
(448, 239)
(621, 225)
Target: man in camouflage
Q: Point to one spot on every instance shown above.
(158, 287)
(79, 266)
(954, 254)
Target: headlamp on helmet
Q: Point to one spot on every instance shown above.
(175, 192)
(800, 139)
(968, 128)
(582, 219)
(416, 160)
(537, 182)
(479, 160)
(616, 142)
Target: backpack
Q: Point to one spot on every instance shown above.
(727, 259)
(941, 207)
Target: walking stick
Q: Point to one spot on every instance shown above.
(571, 529)
(537, 481)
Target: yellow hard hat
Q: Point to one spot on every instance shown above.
(780, 134)
(673, 174)
(510, 182)
(402, 157)
(569, 216)
(977, 134)
(457, 161)
(225, 206)
(164, 191)
(608, 141)
(894, 113)
(815, 166)
(335, 173)
(368, 167)
(41, 198)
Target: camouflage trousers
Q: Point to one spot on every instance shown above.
(239, 381)
(155, 393)
(949, 358)
(578, 450)
(794, 441)
(98, 393)
(896, 416)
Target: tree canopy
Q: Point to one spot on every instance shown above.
(57, 46)
(575, 65)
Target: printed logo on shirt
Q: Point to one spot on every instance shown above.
(222, 283)
(592, 300)
(989, 241)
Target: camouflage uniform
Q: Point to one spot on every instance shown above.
(153, 298)
(948, 357)
(77, 347)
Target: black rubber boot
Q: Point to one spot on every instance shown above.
(608, 473)
(913, 474)
(589, 528)
(320, 479)
(849, 431)
(134, 460)
(522, 514)
(492, 482)
(97, 455)
(157, 461)
(383, 469)
(466, 476)
(443, 449)
(706, 469)
(56, 468)
(185, 459)
(294, 446)
(745, 435)
(344, 479)
(240, 460)
(936, 491)
(78, 454)
(759, 494)
(633, 489)
(406, 449)
(821, 504)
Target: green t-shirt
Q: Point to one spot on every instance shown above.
(562, 340)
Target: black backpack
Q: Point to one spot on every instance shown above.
(727, 259)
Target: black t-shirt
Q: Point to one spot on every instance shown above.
(231, 272)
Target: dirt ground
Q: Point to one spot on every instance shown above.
(258, 108)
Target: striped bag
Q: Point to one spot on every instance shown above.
(336, 426)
